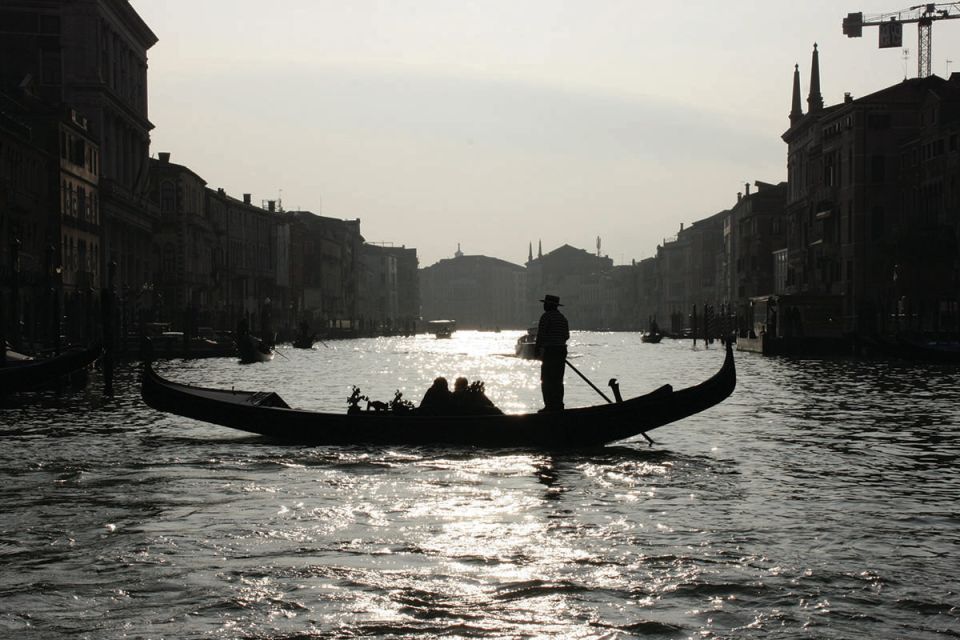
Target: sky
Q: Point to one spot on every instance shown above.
(494, 124)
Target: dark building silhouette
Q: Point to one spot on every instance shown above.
(389, 291)
(583, 281)
(862, 197)
(478, 292)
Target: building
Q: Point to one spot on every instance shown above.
(863, 202)
(389, 289)
(87, 59)
(244, 263)
(753, 235)
(185, 243)
(478, 292)
(326, 293)
(582, 280)
(27, 229)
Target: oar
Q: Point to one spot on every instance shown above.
(595, 388)
(587, 380)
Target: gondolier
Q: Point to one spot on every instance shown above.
(551, 347)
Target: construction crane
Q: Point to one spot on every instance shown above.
(891, 28)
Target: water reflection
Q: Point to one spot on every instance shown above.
(818, 499)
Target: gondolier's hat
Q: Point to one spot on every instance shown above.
(549, 299)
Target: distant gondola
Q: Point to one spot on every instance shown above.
(442, 328)
(253, 349)
(652, 335)
(267, 414)
(526, 346)
(24, 375)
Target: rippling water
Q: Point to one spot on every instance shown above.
(819, 501)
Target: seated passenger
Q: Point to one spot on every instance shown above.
(437, 400)
(470, 400)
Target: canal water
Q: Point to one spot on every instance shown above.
(819, 501)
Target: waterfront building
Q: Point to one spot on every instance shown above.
(26, 227)
(673, 258)
(389, 294)
(244, 271)
(87, 59)
(184, 244)
(925, 284)
(581, 279)
(76, 261)
(478, 292)
(864, 199)
(326, 291)
(753, 234)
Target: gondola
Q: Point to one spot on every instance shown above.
(25, 375)
(267, 414)
(526, 346)
(650, 337)
(253, 349)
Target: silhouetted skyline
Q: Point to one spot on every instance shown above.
(498, 124)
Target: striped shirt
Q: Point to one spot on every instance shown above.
(553, 330)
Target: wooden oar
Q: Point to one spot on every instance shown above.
(595, 388)
(585, 379)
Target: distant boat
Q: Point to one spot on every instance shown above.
(253, 349)
(442, 328)
(526, 345)
(305, 336)
(652, 335)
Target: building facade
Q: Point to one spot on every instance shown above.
(478, 292)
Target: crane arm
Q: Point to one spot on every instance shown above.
(854, 22)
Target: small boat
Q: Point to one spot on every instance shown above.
(24, 375)
(266, 413)
(303, 342)
(305, 337)
(253, 349)
(442, 328)
(526, 345)
(652, 335)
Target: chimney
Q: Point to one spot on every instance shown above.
(747, 187)
(164, 157)
(739, 196)
(246, 198)
(681, 226)
(847, 98)
(272, 206)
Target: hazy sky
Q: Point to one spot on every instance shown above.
(498, 123)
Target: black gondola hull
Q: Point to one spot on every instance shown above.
(33, 374)
(266, 414)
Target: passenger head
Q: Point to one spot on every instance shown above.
(461, 384)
